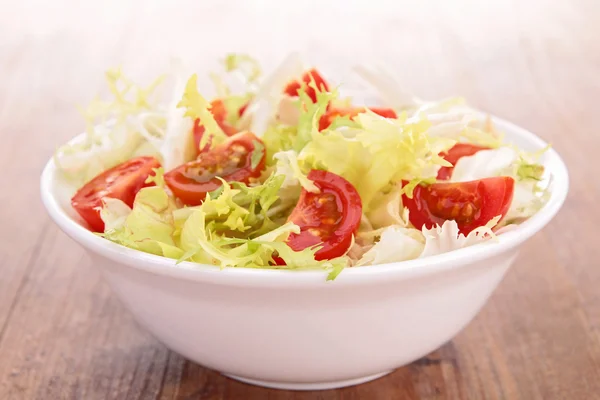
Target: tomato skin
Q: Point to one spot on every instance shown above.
(328, 218)
(120, 182)
(471, 204)
(231, 160)
(457, 152)
(243, 109)
(292, 88)
(351, 112)
(220, 113)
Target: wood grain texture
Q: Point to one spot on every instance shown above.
(537, 63)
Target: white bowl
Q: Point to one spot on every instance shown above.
(293, 329)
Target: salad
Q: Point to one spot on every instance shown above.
(284, 172)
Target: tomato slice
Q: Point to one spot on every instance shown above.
(292, 88)
(328, 218)
(457, 151)
(232, 161)
(121, 182)
(351, 112)
(220, 113)
(471, 204)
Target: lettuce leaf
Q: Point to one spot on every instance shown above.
(445, 238)
(198, 108)
(308, 121)
(245, 71)
(289, 167)
(245, 63)
(170, 131)
(114, 213)
(278, 138)
(263, 108)
(396, 244)
(147, 227)
(237, 210)
(386, 85)
(305, 259)
(387, 209)
(379, 153)
(484, 164)
(111, 135)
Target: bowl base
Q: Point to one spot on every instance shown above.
(308, 386)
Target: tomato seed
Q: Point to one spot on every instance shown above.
(455, 211)
(467, 210)
(314, 232)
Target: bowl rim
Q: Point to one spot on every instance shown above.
(232, 276)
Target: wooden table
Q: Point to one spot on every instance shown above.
(63, 335)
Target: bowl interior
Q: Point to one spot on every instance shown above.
(56, 195)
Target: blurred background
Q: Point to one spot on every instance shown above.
(536, 63)
(436, 47)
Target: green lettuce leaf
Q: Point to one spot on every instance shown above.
(289, 167)
(197, 107)
(278, 138)
(308, 122)
(305, 259)
(148, 226)
(378, 153)
(237, 210)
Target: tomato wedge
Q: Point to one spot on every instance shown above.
(351, 112)
(121, 182)
(328, 218)
(236, 160)
(220, 113)
(471, 204)
(292, 88)
(457, 151)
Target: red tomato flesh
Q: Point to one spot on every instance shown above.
(292, 88)
(457, 152)
(471, 204)
(351, 112)
(329, 218)
(243, 108)
(121, 182)
(231, 161)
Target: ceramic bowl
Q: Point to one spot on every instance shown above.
(293, 329)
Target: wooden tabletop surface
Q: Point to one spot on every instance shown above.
(63, 335)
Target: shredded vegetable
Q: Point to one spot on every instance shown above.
(295, 193)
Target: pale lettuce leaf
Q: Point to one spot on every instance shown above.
(148, 227)
(198, 108)
(263, 108)
(288, 166)
(445, 238)
(396, 244)
(380, 152)
(111, 136)
(113, 213)
(387, 209)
